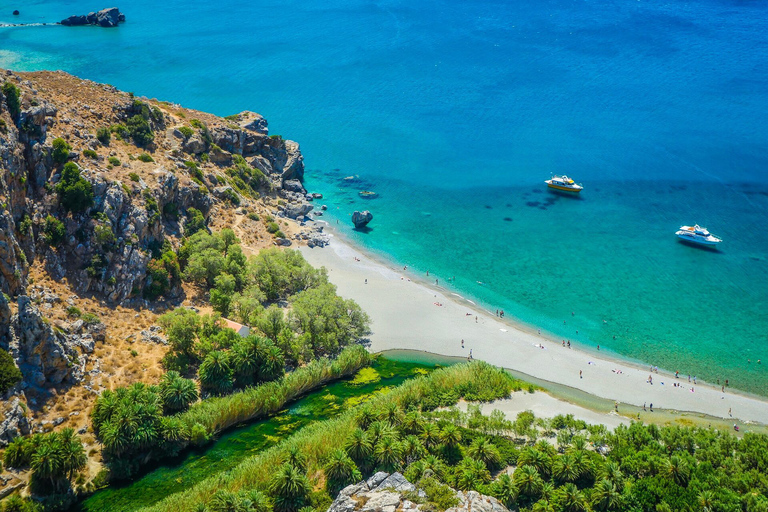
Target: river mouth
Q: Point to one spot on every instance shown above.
(169, 476)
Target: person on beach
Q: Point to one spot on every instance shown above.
(437, 281)
(644, 406)
(580, 375)
(616, 406)
(366, 281)
(470, 353)
(676, 373)
(650, 379)
(729, 412)
(539, 331)
(651, 407)
(475, 318)
(722, 389)
(462, 343)
(689, 377)
(569, 343)
(598, 348)
(563, 343)
(497, 312)
(694, 379)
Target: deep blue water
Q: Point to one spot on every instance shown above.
(455, 112)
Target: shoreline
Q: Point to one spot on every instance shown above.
(409, 313)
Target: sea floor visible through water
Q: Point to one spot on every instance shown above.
(602, 268)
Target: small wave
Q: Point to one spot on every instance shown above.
(457, 295)
(471, 302)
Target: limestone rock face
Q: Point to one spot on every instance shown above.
(43, 355)
(14, 424)
(297, 210)
(384, 493)
(361, 219)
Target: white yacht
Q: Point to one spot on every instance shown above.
(697, 235)
(564, 183)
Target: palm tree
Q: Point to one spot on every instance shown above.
(430, 435)
(290, 488)
(564, 469)
(246, 361)
(571, 499)
(359, 447)
(412, 449)
(215, 373)
(340, 471)
(225, 501)
(547, 492)
(177, 392)
(528, 481)
(48, 462)
(582, 464)
(677, 469)
(470, 473)
(450, 436)
(543, 506)
(706, 501)
(272, 361)
(536, 458)
(392, 414)
(255, 501)
(483, 450)
(612, 473)
(505, 490)
(606, 496)
(388, 454)
(295, 458)
(365, 416)
(73, 454)
(381, 429)
(411, 423)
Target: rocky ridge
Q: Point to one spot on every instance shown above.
(394, 493)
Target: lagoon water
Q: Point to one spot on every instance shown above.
(455, 113)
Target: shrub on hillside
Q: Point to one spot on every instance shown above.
(145, 157)
(139, 131)
(12, 99)
(53, 230)
(90, 153)
(10, 375)
(75, 192)
(186, 131)
(195, 221)
(103, 135)
(61, 150)
(114, 161)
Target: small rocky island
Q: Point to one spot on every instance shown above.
(361, 219)
(104, 18)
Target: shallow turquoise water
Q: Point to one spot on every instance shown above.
(445, 108)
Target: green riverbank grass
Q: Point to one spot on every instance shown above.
(219, 413)
(443, 387)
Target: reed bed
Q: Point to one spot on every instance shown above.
(317, 441)
(219, 413)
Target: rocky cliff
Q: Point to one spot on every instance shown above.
(393, 493)
(144, 173)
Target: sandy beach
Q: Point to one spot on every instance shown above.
(409, 314)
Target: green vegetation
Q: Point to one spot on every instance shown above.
(114, 161)
(197, 124)
(89, 153)
(186, 131)
(75, 192)
(315, 449)
(195, 222)
(319, 322)
(61, 150)
(53, 231)
(273, 227)
(54, 459)
(163, 274)
(145, 157)
(103, 135)
(10, 375)
(137, 127)
(245, 179)
(136, 421)
(12, 99)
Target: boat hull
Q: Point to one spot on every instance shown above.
(564, 189)
(698, 241)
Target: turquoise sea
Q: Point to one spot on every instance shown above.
(456, 112)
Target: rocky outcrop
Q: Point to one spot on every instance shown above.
(15, 423)
(361, 219)
(11, 267)
(46, 357)
(104, 18)
(385, 493)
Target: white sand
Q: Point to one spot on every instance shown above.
(543, 405)
(404, 316)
